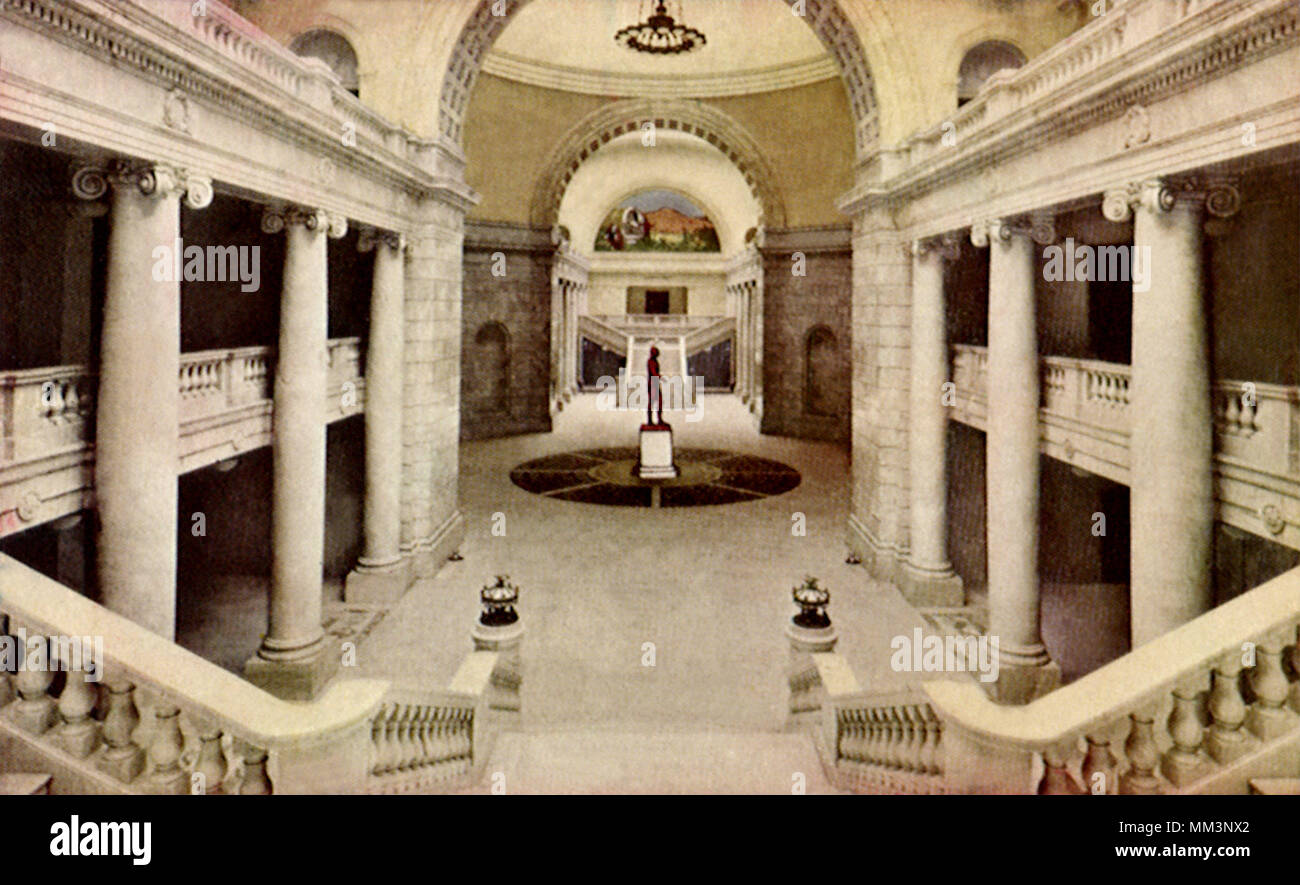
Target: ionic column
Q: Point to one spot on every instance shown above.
(566, 365)
(382, 573)
(1026, 671)
(137, 419)
(756, 336)
(293, 661)
(1171, 468)
(929, 578)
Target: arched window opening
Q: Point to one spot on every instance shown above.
(333, 49)
(982, 62)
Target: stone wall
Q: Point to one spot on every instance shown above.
(505, 385)
(807, 346)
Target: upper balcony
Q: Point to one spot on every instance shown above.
(47, 456)
(1085, 421)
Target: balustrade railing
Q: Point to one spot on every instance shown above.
(46, 411)
(1200, 709)
(168, 721)
(889, 743)
(421, 741)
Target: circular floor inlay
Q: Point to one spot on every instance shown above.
(605, 476)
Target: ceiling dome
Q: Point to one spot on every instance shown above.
(753, 46)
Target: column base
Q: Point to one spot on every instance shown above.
(924, 588)
(427, 556)
(376, 586)
(882, 562)
(1019, 684)
(298, 678)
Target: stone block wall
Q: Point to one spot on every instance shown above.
(507, 286)
(807, 341)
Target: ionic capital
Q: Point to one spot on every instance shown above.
(368, 238)
(157, 180)
(275, 219)
(946, 246)
(1038, 226)
(1217, 195)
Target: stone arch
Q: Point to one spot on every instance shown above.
(825, 17)
(621, 117)
(981, 61)
(823, 372)
(487, 390)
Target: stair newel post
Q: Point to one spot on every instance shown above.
(1057, 780)
(500, 629)
(1266, 719)
(164, 752)
(121, 758)
(35, 709)
(79, 732)
(1226, 742)
(1143, 755)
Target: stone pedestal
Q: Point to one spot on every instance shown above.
(656, 452)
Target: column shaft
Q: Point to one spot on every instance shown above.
(930, 579)
(1013, 467)
(136, 461)
(1171, 449)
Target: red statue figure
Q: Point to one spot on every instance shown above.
(655, 393)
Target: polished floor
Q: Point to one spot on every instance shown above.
(645, 619)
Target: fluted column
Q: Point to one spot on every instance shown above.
(1172, 439)
(929, 578)
(293, 661)
(382, 573)
(1026, 671)
(136, 460)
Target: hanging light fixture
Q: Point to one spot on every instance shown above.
(661, 34)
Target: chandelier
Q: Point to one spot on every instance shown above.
(661, 34)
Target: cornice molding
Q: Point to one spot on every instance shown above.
(809, 239)
(504, 236)
(565, 78)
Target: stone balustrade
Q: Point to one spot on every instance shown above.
(170, 722)
(1086, 421)
(1200, 709)
(889, 743)
(46, 460)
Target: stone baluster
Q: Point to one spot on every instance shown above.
(1267, 719)
(405, 725)
(1182, 762)
(79, 733)
(911, 740)
(896, 738)
(378, 741)
(121, 757)
(1143, 756)
(1226, 741)
(1294, 697)
(34, 712)
(392, 751)
(1057, 780)
(465, 723)
(165, 751)
(1099, 766)
(930, 749)
(859, 722)
(211, 762)
(428, 736)
(883, 737)
(255, 781)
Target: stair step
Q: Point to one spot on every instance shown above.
(598, 762)
(25, 784)
(1275, 786)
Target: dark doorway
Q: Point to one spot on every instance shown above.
(656, 301)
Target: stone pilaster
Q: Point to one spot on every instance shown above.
(137, 417)
(294, 661)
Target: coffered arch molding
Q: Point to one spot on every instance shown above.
(827, 18)
(689, 117)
